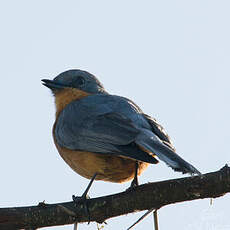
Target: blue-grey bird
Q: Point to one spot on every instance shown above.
(109, 135)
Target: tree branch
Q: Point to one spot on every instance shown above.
(143, 197)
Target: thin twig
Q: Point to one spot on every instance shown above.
(141, 218)
(155, 220)
(75, 226)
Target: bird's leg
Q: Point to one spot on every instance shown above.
(84, 197)
(135, 179)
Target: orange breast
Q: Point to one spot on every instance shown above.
(108, 168)
(66, 96)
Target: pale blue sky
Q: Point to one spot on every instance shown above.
(171, 57)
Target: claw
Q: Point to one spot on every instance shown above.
(84, 198)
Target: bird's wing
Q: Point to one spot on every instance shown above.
(159, 131)
(110, 124)
(93, 124)
(163, 151)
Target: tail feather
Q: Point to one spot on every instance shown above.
(163, 152)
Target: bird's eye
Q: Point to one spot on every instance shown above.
(80, 81)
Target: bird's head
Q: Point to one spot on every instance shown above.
(72, 85)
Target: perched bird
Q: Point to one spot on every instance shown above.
(106, 136)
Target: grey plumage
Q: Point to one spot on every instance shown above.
(110, 124)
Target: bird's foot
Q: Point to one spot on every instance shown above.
(84, 198)
(134, 183)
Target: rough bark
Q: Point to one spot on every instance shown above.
(143, 197)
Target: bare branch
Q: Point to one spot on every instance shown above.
(143, 197)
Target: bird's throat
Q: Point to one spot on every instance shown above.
(66, 96)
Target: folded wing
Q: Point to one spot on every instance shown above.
(113, 125)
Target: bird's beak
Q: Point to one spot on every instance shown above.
(53, 85)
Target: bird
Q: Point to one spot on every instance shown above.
(104, 136)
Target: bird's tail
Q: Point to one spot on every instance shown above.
(152, 143)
